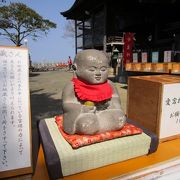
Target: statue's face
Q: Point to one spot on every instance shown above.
(93, 69)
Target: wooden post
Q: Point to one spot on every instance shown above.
(105, 31)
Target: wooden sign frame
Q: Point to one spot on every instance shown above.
(14, 66)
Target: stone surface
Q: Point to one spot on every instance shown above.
(91, 68)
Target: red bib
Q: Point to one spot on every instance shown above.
(89, 92)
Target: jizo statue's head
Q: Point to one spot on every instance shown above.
(91, 66)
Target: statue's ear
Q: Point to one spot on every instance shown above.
(74, 67)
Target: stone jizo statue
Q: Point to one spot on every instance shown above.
(91, 103)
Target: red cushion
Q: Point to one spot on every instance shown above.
(77, 141)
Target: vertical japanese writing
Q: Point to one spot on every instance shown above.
(4, 96)
(19, 93)
(11, 98)
(14, 109)
(174, 114)
(170, 117)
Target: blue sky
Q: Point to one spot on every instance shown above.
(54, 47)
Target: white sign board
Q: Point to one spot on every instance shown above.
(144, 56)
(15, 141)
(155, 56)
(167, 56)
(170, 117)
(135, 57)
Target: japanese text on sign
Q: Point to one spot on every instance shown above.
(170, 119)
(14, 109)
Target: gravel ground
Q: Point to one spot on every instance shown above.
(45, 97)
(46, 89)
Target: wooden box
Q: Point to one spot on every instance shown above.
(128, 66)
(136, 66)
(154, 102)
(157, 67)
(146, 67)
(167, 67)
(175, 68)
